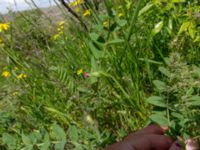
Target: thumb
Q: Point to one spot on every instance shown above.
(176, 146)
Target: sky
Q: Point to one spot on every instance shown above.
(18, 5)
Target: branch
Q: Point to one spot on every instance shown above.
(70, 10)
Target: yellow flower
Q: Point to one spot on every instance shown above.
(6, 74)
(105, 23)
(20, 76)
(4, 26)
(61, 23)
(120, 14)
(78, 9)
(16, 68)
(76, 3)
(55, 37)
(87, 13)
(80, 71)
(15, 93)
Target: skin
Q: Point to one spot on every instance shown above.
(149, 138)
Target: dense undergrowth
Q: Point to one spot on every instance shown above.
(67, 87)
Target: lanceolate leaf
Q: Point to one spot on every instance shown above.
(160, 85)
(157, 101)
(157, 28)
(194, 100)
(164, 71)
(159, 119)
(184, 27)
(145, 9)
(73, 133)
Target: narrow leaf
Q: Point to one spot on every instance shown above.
(184, 27)
(145, 9)
(157, 28)
(159, 119)
(157, 101)
(160, 85)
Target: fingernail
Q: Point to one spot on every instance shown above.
(165, 128)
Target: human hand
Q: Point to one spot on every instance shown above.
(149, 138)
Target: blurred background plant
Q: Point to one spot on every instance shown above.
(86, 74)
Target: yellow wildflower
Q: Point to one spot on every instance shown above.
(120, 14)
(78, 9)
(87, 13)
(20, 76)
(4, 26)
(15, 93)
(16, 68)
(80, 71)
(61, 23)
(76, 3)
(105, 23)
(6, 74)
(55, 37)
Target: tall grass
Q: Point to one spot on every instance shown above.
(70, 88)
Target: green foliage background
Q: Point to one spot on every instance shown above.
(142, 58)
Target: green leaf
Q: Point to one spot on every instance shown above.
(60, 145)
(26, 139)
(157, 101)
(192, 31)
(164, 71)
(96, 53)
(9, 140)
(29, 147)
(160, 85)
(184, 27)
(145, 9)
(194, 100)
(190, 91)
(44, 146)
(46, 141)
(94, 68)
(178, 1)
(196, 71)
(157, 28)
(58, 132)
(177, 115)
(73, 133)
(121, 22)
(159, 119)
(94, 36)
(116, 41)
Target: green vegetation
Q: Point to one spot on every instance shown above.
(63, 86)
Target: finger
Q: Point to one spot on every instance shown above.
(152, 129)
(151, 141)
(176, 146)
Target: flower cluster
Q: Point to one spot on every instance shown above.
(4, 26)
(87, 13)
(7, 74)
(80, 72)
(60, 30)
(78, 9)
(76, 3)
